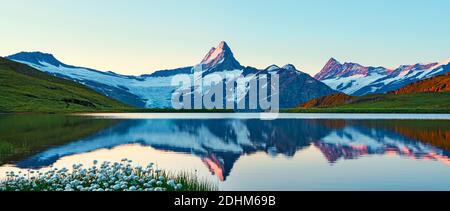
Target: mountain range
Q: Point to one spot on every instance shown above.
(155, 90)
(357, 80)
(296, 87)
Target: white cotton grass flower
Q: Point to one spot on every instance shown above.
(105, 177)
(171, 183)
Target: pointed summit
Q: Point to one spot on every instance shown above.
(331, 68)
(220, 58)
(333, 60)
(216, 52)
(224, 45)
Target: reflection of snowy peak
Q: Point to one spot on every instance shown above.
(355, 79)
(355, 141)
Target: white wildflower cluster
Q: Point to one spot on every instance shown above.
(108, 176)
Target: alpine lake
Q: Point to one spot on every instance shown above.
(242, 151)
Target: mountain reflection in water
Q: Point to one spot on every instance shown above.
(221, 142)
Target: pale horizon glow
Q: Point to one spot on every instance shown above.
(141, 36)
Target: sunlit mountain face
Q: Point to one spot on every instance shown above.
(220, 143)
(357, 80)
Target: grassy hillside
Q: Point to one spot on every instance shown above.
(328, 101)
(439, 83)
(25, 89)
(432, 100)
(428, 102)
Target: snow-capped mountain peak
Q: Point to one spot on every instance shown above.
(357, 80)
(330, 69)
(289, 67)
(216, 53)
(37, 58)
(332, 62)
(220, 58)
(272, 67)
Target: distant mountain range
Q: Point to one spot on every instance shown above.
(357, 80)
(432, 93)
(155, 90)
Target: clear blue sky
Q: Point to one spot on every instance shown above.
(140, 36)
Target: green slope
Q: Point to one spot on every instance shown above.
(426, 102)
(431, 101)
(25, 89)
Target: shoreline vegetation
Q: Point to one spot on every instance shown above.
(127, 110)
(369, 110)
(422, 102)
(118, 176)
(288, 110)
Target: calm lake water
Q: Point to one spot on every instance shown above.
(242, 151)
